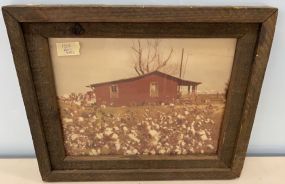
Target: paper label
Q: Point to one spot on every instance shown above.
(68, 49)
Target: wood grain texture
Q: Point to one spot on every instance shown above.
(241, 70)
(29, 28)
(263, 48)
(89, 13)
(141, 174)
(23, 69)
(257, 170)
(142, 30)
(43, 79)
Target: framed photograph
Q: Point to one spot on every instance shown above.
(140, 93)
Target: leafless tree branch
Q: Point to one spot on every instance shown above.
(148, 57)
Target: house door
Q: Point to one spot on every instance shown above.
(153, 89)
(114, 91)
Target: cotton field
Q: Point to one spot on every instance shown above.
(172, 129)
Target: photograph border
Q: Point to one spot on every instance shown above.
(29, 28)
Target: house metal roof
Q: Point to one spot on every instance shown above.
(179, 81)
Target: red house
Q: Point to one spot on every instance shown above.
(154, 87)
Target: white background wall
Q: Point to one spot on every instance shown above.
(267, 138)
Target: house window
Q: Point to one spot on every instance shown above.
(114, 91)
(153, 89)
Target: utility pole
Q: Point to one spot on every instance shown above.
(181, 63)
(180, 72)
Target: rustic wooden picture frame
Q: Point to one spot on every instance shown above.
(29, 28)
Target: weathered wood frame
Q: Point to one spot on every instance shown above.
(29, 28)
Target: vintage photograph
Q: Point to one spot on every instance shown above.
(137, 96)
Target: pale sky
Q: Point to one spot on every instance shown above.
(106, 59)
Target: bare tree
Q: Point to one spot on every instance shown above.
(148, 57)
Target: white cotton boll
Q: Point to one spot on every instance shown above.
(157, 126)
(180, 136)
(80, 119)
(116, 128)
(198, 117)
(161, 151)
(114, 136)
(108, 131)
(158, 145)
(98, 151)
(207, 132)
(180, 116)
(167, 150)
(74, 136)
(186, 113)
(146, 151)
(204, 137)
(135, 151)
(65, 96)
(171, 105)
(148, 126)
(154, 134)
(125, 129)
(67, 120)
(133, 137)
(152, 152)
(178, 151)
(129, 152)
(202, 132)
(133, 131)
(210, 146)
(93, 152)
(82, 131)
(117, 145)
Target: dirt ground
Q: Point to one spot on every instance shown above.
(171, 129)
